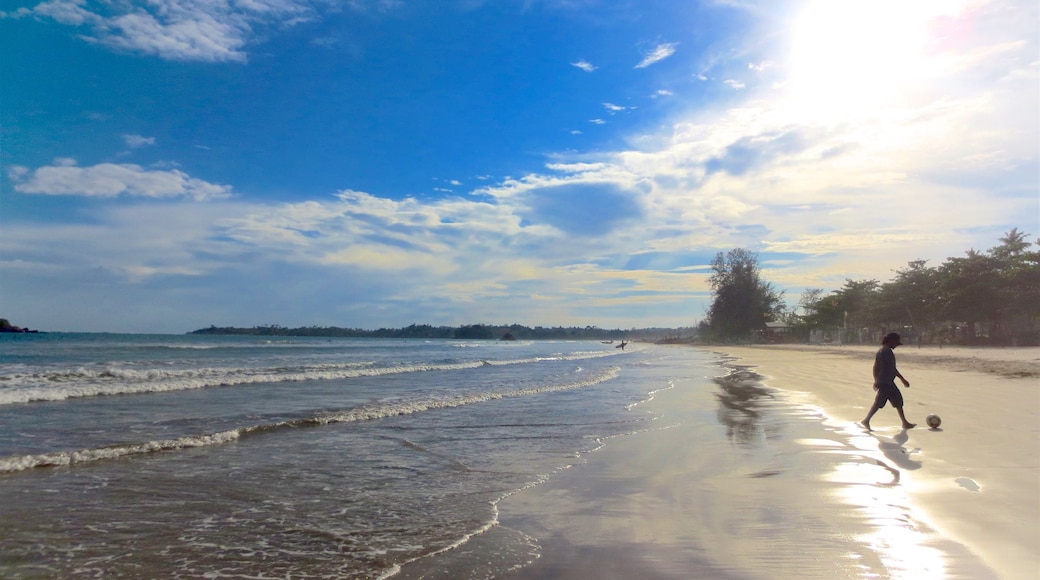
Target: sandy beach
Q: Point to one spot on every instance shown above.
(795, 488)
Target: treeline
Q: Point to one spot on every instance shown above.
(983, 298)
(467, 332)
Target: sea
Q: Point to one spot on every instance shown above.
(201, 456)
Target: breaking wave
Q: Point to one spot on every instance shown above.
(369, 412)
(100, 380)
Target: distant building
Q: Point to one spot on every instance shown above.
(777, 332)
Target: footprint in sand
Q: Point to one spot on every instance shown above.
(968, 484)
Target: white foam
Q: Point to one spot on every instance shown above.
(25, 385)
(448, 401)
(366, 413)
(23, 462)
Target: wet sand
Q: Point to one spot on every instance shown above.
(740, 481)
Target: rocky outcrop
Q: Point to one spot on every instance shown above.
(6, 326)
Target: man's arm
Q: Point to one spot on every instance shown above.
(906, 383)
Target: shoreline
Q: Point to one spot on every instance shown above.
(759, 470)
(1007, 362)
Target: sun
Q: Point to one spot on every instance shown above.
(855, 55)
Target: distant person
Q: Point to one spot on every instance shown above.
(885, 374)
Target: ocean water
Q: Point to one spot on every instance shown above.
(246, 457)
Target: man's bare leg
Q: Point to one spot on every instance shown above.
(906, 424)
(870, 414)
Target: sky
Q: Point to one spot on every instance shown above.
(166, 165)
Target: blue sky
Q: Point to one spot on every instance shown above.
(171, 164)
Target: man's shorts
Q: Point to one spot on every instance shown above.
(889, 393)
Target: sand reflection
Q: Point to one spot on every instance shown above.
(870, 475)
(742, 400)
(865, 474)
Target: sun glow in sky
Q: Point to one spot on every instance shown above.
(172, 164)
(848, 56)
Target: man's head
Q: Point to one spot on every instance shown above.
(892, 340)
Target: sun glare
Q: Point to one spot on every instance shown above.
(854, 55)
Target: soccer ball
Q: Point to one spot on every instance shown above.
(933, 421)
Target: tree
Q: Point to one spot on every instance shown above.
(857, 301)
(970, 290)
(474, 331)
(991, 296)
(1017, 310)
(809, 302)
(1012, 246)
(742, 302)
(911, 299)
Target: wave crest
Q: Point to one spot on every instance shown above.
(365, 413)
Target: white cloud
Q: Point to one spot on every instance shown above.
(17, 172)
(182, 30)
(136, 141)
(734, 84)
(597, 121)
(108, 180)
(613, 108)
(576, 167)
(135, 242)
(584, 65)
(69, 12)
(19, 13)
(657, 54)
(452, 236)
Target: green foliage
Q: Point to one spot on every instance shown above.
(996, 294)
(475, 332)
(990, 297)
(742, 302)
(911, 297)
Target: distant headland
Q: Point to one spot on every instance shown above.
(6, 326)
(469, 332)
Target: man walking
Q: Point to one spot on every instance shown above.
(885, 374)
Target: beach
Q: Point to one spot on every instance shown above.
(802, 490)
(192, 456)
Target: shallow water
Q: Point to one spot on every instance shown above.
(185, 456)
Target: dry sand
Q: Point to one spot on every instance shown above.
(962, 501)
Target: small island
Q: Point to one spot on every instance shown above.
(6, 326)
